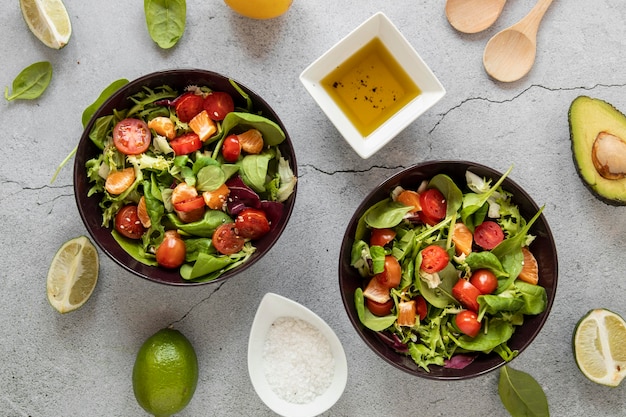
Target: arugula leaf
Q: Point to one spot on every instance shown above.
(31, 82)
(166, 20)
(521, 394)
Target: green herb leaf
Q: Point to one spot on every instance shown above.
(31, 82)
(104, 95)
(521, 394)
(165, 20)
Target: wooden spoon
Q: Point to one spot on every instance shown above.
(510, 53)
(472, 16)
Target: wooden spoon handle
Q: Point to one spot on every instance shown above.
(530, 23)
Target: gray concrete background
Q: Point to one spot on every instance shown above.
(80, 364)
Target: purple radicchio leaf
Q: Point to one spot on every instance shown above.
(241, 196)
(393, 341)
(459, 361)
(274, 212)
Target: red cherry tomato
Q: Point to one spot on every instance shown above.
(426, 219)
(422, 307)
(226, 241)
(252, 224)
(466, 294)
(127, 222)
(485, 280)
(381, 237)
(433, 204)
(434, 259)
(467, 322)
(488, 235)
(231, 148)
(171, 252)
(392, 274)
(131, 136)
(186, 143)
(218, 104)
(188, 105)
(189, 205)
(379, 309)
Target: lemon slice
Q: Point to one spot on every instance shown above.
(599, 344)
(48, 20)
(73, 274)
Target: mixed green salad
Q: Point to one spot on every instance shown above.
(188, 181)
(447, 270)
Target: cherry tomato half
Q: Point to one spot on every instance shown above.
(485, 280)
(466, 294)
(422, 307)
(488, 235)
(467, 322)
(380, 237)
(171, 252)
(131, 136)
(231, 148)
(433, 204)
(379, 309)
(127, 222)
(188, 105)
(218, 104)
(193, 203)
(434, 259)
(186, 144)
(252, 223)
(226, 241)
(392, 274)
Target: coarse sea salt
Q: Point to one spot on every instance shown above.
(297, 360)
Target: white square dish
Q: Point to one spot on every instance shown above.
(381, 28)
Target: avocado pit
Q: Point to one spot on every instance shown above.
(609, 156)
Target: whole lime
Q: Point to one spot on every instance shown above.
(165, 374)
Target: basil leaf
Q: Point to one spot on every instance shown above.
(165, 20)
(31, 82)
(521, 394)
(105, 94)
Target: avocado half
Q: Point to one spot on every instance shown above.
(598, 134)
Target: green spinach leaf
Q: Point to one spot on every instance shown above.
(386, 215)
(31, 82)
(104, 95)
(166, 20)
(271, 132)
(369, 320)
(521, 394)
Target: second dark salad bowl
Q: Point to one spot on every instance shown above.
(543, 248)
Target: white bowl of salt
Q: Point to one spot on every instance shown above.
(296, 363)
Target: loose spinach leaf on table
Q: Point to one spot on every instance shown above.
(31, 82)
(521, 394)
(166, 21)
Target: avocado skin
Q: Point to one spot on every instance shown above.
(588, 117)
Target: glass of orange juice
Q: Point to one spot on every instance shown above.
(259, 9)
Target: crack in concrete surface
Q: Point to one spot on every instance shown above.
(516, 96)
(193, 307)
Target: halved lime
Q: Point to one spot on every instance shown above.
(599, 345)
(48, 20)
(73, 274)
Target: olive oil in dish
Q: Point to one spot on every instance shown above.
(370, 87)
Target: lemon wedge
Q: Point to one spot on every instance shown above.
(599, 345)
(48, 20)
(73, 274)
